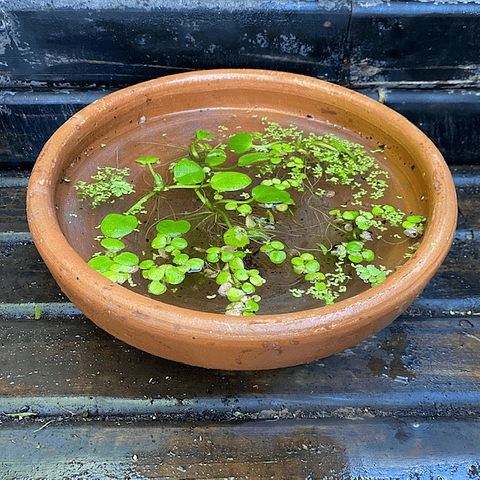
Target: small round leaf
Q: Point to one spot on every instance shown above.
(270, 195)
(112, 244)
(188, 172)
(236, 237)
(235, 294)
(156, 288)
(277, 256)
(173, 228)
(215, 157)
(126, 258)
(240, 142)
(116, 225)
(230, 181)
(174, 276)
(101, 263)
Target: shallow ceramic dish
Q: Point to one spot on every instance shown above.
(123, 126)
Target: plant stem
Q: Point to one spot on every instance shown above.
(212, 207)
(135, 208)
(158, 178)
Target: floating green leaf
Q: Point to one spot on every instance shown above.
(277, 256)
(223, 277)
(188, 172)
(179, 243)
(174, 275)
(355, 257)
(181, 259)
(230, 181)
(146, 264)
(268, 194)
(195, 264)
(116, 225)
(156, 288)
(213, 254)
(240, 142)
(215, 157)
(112, 244)
(244, 209)
(101, 263)
(368, 255)
(235, 294)
(354, 246)
(173, 227)
(160, 241)
(236, 237)
(241, 275)
(154, 273)
(126, 258)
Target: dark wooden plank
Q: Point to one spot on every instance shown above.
(326, 449)
(105, 43)
(414, 44)
(12, 210)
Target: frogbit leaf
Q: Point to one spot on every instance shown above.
(126, 258)
(215, 157)
(113, 245)
(277, 256)
(174, 276)
(240, 142)
(101, 263)
(236, 237)
(188, 172)
(230, 181)
(116, 225)
(156, 288)
(271, 195)
(173, 228)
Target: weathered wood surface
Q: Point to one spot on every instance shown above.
(75, 403)
(299, 449)
(56, 57)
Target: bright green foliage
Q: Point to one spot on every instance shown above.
(275, 251)
(246, 183)
(188, 172)
(230, 181)
(116, 225)
(109, 185)
(173, 228)
(240, 143)
(215, 158)
(372, 274)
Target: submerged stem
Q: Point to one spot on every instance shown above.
(212, 207)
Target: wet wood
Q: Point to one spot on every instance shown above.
(77, 403)
(326, 449)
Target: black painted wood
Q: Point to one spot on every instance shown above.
(77, 403)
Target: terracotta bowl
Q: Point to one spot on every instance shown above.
(124, 125)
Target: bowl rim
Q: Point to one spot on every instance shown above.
(343, 315)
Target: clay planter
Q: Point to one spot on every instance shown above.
(123, 126)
